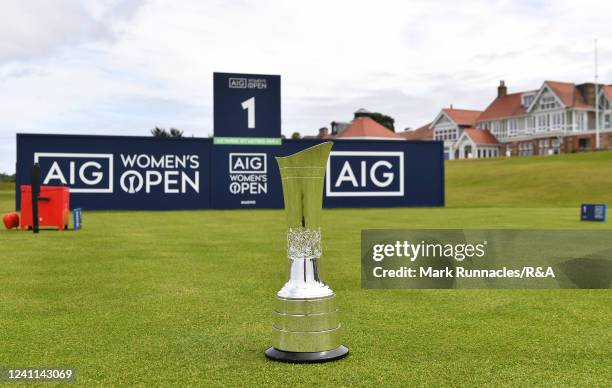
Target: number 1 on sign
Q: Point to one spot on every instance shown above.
(249, 105)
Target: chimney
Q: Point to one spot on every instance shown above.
(502, 90)
(588, 92)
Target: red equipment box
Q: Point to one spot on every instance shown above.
(53, 207)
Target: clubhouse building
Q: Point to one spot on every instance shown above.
(558, 117)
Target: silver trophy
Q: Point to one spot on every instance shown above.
(306, 326)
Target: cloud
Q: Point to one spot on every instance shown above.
(33, 29)
(116, 67)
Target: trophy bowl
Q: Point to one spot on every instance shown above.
(305, 319)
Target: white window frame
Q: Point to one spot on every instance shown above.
(513, 126)
(581, 118)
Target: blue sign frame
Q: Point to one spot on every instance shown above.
(247, 108)
(593, 212)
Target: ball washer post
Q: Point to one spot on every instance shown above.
(35, 189)
(305, 319)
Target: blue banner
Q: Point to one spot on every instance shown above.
(118, 172)
(144, 173)
(363, 173)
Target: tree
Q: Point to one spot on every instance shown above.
(296, 136)
(159, 132)
(175, 132)
(162, 132)
(384, 120)
(7, 177)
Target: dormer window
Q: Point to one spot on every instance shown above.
(527, 99)
(548, 102)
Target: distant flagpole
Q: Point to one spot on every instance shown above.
(596, 101)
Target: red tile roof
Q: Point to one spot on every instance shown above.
(463, 116)
(481, 136)
(365, 127)
(506, 106)
(511, 105)
(563, 90)
(421, 133)
(568, 94)
(578, 101)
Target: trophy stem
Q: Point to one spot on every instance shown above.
(304, 251)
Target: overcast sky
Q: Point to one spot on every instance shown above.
(123, 67)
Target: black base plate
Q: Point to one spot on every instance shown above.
(307, 357)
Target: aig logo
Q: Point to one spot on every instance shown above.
(244, 163)
(248, 173)
(237, 83)
(365, 174)
(247, 83)
(84, 173)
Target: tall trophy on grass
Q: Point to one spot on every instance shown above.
(306, 327)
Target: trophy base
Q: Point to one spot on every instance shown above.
(306, 325)
(307, 357)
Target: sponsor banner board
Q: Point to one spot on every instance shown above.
(118, 172)
(385, 174)
(144, 173)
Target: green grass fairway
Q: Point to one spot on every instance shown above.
(541, 181)
(185, 297)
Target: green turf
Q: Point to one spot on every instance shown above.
(184, 298)
(538, 181)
